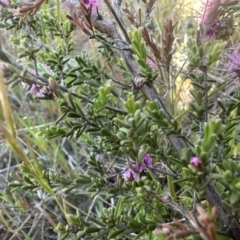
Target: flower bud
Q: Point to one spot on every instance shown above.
(197, 164)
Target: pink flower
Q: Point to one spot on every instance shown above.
(148, 160)
(233, 66)
(32, 71)
(38, 91)
(5, 2)
(132, 174)
(196, 163)
(211, 31)
(94, 3)
(213, 27)
(152, 64)
(65, 7)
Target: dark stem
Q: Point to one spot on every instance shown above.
(204, 70)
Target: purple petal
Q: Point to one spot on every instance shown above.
(142, 168)
(196, 161)
(130, 174)
(148, 160)
(32, 71)
(95, 4)
(152, 64)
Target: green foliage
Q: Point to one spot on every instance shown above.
(140, 53)
(203, 55)
(107, 159)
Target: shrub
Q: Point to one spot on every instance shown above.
(148, 110)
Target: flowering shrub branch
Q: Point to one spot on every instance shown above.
(163, 165)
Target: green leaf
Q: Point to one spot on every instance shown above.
(91, 229)
(115, 233)
(234, 197)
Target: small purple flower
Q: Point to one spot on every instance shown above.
(148, 160)
(94, 3)
(212, 25)
(5, 2)
(152, 64)
(196, 163)
(38, 91)
(233, 65)
(65, 6)
(211, 31)
(132, 174)
(32, 71)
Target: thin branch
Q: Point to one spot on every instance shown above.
(64, 89)
(204, 71)
(100, 40)
(118, 21)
